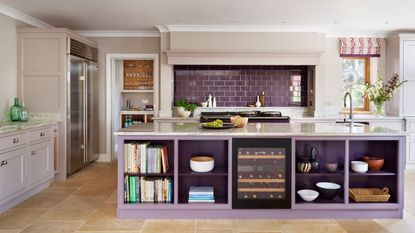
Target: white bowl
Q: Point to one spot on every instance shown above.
(359, 166)
(328, 185)
(202, 163)
(308, 194)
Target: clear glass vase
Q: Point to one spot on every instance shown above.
(379, 109)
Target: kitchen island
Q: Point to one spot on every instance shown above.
(241, 152)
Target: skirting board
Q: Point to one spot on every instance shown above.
(410, 166)
(104, 158)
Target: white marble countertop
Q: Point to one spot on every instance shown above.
(364, 118)
(259, 129)
(35, 120)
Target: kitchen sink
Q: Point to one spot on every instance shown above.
(355, 123)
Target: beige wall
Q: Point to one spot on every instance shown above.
(117, 45)
(246, 41)
(8, 64)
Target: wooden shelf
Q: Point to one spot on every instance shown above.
(321, 173)
(373, 173)
(149, 174)
(136, 112)
(137, 91)
(215, 172)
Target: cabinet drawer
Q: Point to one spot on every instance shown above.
(40, 134)
(12, 141)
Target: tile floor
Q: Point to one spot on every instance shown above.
(86, 202)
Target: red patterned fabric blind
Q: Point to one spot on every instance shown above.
(360, 47)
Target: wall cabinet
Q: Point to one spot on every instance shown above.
(26, 167)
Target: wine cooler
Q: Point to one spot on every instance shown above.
(261, 173)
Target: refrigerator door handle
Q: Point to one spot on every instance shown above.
(85, 108)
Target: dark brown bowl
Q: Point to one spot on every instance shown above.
(375, 163)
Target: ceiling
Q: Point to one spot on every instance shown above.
(143, 15)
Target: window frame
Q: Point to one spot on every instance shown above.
(366, 106)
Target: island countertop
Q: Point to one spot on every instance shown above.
(259, 129)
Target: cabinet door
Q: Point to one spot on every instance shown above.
(408, 98)
(13, 172)
(40, 164)
(409, 60)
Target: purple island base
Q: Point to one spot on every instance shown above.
(342, 149)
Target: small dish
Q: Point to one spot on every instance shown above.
(359, 166)
(202, 163)
(308, 194)
(331, 166)
(374, 163)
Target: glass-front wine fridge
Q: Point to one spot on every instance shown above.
(261, 176)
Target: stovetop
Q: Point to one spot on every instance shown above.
(253, 116)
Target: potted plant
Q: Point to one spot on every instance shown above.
(184, 108)
(380, 92)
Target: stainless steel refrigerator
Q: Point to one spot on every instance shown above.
(82, 106)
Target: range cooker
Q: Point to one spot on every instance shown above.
(253, 116)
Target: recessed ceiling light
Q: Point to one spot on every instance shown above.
(231, 21)
(387, 22)
(283, 22)
(335, 22)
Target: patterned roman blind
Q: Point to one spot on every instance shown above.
(360, 47)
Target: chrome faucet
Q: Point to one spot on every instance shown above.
(350, 105)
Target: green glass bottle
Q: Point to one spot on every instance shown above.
(15, 110)
(24, 114)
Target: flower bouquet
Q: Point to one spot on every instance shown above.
(380, 92)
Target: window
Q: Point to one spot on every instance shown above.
(356, 71)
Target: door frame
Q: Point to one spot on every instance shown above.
(110, 94)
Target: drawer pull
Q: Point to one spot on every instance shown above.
(33, 153)
(15, 140)
(42, 134)
(3, 163)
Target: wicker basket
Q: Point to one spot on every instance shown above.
(369, 194)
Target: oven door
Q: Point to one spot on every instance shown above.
(261, 173)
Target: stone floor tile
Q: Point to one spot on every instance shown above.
(170, 226)
(212, 230)
(61, 227)
(358, 226)
(105, 219)
(247, 225)
(113, 197)
(47, 198)
(311, 228)
(96, 190)
(15, 219)
(74, 208)
(215, 223)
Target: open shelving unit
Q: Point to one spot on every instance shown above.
(180, 151)
(347, 150)
(139, 85)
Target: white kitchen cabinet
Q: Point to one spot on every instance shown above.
(40, 164)
(26, 164)
(408, 95)
(13, 173)
(410, 154)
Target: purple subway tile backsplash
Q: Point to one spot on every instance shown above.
(238, 86)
